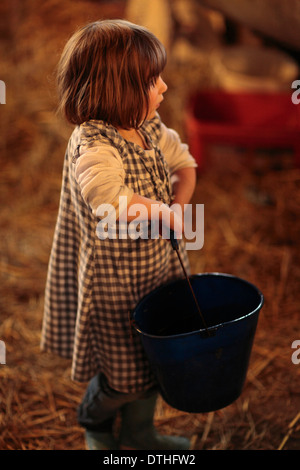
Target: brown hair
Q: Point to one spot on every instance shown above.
(105, 72)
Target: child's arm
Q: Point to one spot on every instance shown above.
(100, 175)
(177, 156)
(182, 167)
(183, 183)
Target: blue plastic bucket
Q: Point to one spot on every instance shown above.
(198, 372)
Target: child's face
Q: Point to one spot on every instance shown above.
(156, 96)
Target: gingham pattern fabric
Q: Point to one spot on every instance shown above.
(93, 285)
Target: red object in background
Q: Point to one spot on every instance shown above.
(247, 119)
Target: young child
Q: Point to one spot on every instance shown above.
(110, 85)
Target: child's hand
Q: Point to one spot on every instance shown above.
(179, 220)
(169, 219)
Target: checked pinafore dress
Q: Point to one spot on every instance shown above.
(93, 285)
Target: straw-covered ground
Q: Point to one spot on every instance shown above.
(252, 230)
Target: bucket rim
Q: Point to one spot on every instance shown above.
(213, 328)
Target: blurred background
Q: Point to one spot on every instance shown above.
(231, 66)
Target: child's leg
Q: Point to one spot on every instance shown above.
(98, 410)
(138, 431)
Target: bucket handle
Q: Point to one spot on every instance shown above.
(175, 246)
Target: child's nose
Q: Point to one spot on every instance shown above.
(162, 86)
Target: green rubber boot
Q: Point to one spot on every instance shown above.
(138, 432)
(101, 438)
(99, 441)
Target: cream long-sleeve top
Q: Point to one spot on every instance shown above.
(100, 173)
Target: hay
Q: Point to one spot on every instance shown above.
(251, 230)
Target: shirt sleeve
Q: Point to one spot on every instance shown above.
(100, 174)
(176, 153)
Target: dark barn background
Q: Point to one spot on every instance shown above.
(251, 195)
